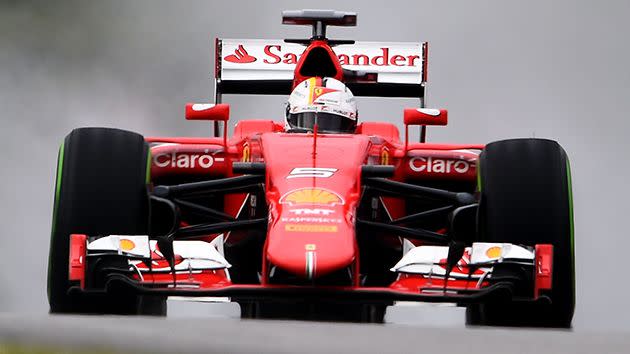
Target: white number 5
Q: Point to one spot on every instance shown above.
(321, 172)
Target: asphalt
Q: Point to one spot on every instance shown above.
(231, 335)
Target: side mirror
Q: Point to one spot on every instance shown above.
(423, 117)
(208, 111)
(426, 116)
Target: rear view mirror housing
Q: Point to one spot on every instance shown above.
(208, 111)
(425, 116)
(219, 112)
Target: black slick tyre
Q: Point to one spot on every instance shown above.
(101, 189)
(526, 198)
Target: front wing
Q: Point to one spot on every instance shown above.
(200, 270)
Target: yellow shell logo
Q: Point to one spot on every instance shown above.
(127, 244)
(318, 196)
(494, 252)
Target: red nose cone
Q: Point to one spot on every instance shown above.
(312, 197)
(311, 250)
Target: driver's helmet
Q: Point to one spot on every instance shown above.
(325, 101)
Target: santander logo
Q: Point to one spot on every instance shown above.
(240, 56)
(279, 54)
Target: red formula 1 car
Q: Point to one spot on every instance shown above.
(309, 223)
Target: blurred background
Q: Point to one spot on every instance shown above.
(553, 69)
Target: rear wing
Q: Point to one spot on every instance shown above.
(381, 69)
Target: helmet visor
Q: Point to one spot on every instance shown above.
(326, 122)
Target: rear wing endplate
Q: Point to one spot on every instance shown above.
(266, 67)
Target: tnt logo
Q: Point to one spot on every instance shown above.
(240, 56)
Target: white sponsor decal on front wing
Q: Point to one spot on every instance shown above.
(426, 259)
(197, 255)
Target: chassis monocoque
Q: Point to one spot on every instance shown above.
(310, 225)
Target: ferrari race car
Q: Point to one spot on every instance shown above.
(310, 224)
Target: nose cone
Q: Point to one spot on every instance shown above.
(312, 196)
(311, 250)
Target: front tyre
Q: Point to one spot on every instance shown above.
(101, 189)
(525, 187)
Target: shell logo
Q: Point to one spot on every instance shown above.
(318, 196)
(494, 252)
(126, 244)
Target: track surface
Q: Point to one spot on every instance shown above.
(229, 335)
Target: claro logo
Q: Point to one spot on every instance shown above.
(436, 165)
(183, 160)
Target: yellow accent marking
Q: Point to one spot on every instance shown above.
(246, 154)
(311, 91)
(310, 228)
(384, 157)
(310, 247)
